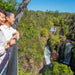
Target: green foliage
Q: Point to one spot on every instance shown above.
(8, 5)
(44, 32)
(54, 41)
(29, 46)
(49, 24)
(61, 22)
(56, 21)
(73, 49)
(58, 69)
(25, 73)
(65, 29)
(13, 2)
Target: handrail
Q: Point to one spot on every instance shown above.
(12, 68)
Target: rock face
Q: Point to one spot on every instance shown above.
(32, 64)
(61, 52)
(72, 62)
(54, 55)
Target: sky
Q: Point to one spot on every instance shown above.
(52, 5)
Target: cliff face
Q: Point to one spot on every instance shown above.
(72, 62)
(31, 49)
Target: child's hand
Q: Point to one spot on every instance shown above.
(12, 42)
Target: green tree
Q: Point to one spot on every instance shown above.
(65, 29)
(56, 21)
(44, 32)
(6, 5)
(14, 3)
(58, 69)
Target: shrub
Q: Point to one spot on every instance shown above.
(44, 32)
(58, 69)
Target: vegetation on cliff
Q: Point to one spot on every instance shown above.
(35, 31)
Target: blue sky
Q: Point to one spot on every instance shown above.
(52, 5)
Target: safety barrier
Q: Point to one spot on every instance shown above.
(12, 68)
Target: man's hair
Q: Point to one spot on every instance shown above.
(8, 13)
(2, 11)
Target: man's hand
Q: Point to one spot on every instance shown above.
(17, 35)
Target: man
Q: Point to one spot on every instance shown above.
(7, 29)
(4, 54)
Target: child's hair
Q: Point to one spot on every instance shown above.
(2, 11)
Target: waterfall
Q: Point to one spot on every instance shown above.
(67, 53)
(47, 55)
(64, 53)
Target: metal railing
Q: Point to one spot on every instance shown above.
(12, 68)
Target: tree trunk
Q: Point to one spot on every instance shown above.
(20, 12)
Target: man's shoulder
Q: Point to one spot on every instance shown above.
(12, 28)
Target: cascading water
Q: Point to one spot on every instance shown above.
(67, 53)
(47, 55)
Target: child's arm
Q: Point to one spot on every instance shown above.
(10, 43)
(16, 35)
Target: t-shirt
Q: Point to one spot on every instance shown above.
(2, 44)
(8, 31)
(4, 54)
